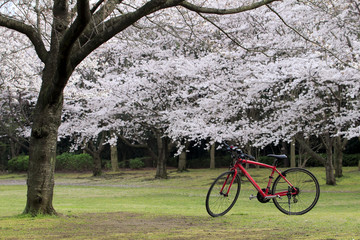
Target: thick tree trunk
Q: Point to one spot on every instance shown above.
(42, 155)
(47, 117)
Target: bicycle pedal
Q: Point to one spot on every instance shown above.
(252, 196)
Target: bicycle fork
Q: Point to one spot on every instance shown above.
(230, 185)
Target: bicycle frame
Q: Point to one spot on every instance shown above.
(238, 167)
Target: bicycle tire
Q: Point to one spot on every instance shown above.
(217, 203)
(305, 200)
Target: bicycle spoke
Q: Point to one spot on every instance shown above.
(219, 203)
(307, 195)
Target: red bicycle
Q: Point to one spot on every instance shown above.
(295, 191)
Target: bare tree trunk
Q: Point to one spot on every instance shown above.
(182, 158)
(212, 156)
(329, 142)
(284, 150)
(248, 151)
(47, 113)
(14, 150)
(162, 145)
(339, 147)
(95, 150)
(292, 153)
(42, 155)
(97, 164)
(114, 158)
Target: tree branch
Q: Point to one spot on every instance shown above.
(97, 18)
(29, 31)
(233, 39)
(115, 25)
(309, 40)
(74, 32)
(308, 149)
(128, 143)
(199, 9)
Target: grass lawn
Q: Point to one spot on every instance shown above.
(134, 205)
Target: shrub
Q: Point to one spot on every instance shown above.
(351, 159)
(74, 162)
(123, 164)
(19, 163)
(136, 163)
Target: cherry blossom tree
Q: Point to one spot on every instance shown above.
(63, 34)
(241, 87)
(302, 79)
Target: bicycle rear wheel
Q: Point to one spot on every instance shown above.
(219, 200)
(308, 191)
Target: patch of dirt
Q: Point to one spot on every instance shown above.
(123, 225)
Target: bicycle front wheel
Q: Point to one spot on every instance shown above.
(307, 188)
(222, 195)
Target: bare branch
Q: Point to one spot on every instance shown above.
(199, 9)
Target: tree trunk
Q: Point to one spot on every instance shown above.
(42, 155)
(95, 151)
(47, 115)
(15, 150)
(97, 164)
(162, 145)
(182, 158)
(284, 150)
(114, 158)
(330, 176)
(338, 155)
(212, 156)
(329, 169)
(292, 153)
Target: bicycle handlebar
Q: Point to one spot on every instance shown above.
(240, 153)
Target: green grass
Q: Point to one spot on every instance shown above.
(134, 205)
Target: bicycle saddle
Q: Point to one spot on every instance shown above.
(282, 156)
